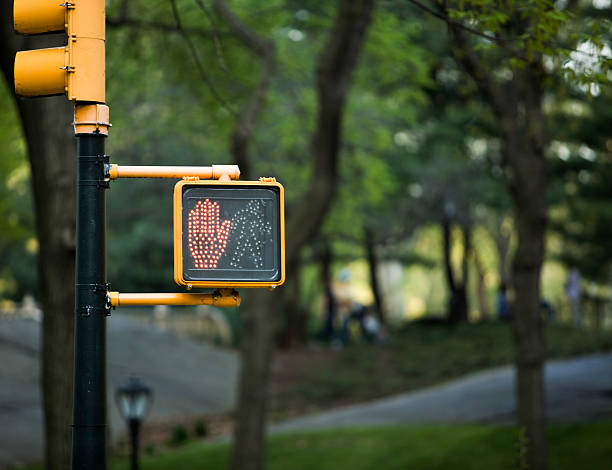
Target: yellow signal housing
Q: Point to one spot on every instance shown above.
(78, 69)
(244, 225)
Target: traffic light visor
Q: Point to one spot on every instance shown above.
(229, 234)
(39, 16)
(39, 72)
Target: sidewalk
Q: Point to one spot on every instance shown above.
(578, 390)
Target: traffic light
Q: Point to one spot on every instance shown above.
(76, 69)
(229, 234)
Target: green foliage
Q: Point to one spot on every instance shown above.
(582, 164)
(18, 247)
(566, 35)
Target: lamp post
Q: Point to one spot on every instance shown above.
(134, 402)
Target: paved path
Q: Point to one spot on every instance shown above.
(193, 378)
(187, 378)
(578, 389)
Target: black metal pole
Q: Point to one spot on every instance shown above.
(134, 425)
(89, 433)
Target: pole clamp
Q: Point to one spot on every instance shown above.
(103, 162)
(218, 294)
(101, 287)
(100, 184)
(96, 288)
(87, 310)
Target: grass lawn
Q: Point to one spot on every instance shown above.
(398, 448)
(416, 356)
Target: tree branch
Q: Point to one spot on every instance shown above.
(474, 67)
(458, 24)
(160, 26)
(503, 43)
(216, 40)
(196, 59)
(245, 122)
(123, 9)
(334, 71)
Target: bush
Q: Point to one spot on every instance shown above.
(178, 437)
(200, 428)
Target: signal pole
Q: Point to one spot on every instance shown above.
(89, 434)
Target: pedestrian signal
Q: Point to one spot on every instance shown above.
(229, 234)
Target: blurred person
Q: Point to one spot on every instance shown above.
(344, 293)
(374, 330)
(503, 310)
(350, 310)
(572, 289)
(371, 328)
(346, 308)
(550, 315)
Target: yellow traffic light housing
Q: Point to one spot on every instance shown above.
(229, 233)
(78, 69)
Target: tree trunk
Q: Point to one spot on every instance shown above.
(483, 306)
(329, 304)
(528, 338)
(466, 232)
(245, 122)
(598, 313)
(374, 281)
(502, 246)
(333, 76)
(51, 148)
(525, 156)
(46, 123)
(295, 329)
(334, 71)
(259, 315)
(523, 145)
(457, 303)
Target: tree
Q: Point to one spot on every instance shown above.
(334, 72)
(517, 105)
(51, 148)
(505, 59)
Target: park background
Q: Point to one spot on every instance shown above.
(425, 147)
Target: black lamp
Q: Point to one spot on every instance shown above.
(134, 400)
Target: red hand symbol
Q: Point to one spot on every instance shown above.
(207, 240)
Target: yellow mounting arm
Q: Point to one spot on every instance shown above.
(214, 172)
(219, 298)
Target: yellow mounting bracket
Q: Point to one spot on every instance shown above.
(225, 297)
(219, 298)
